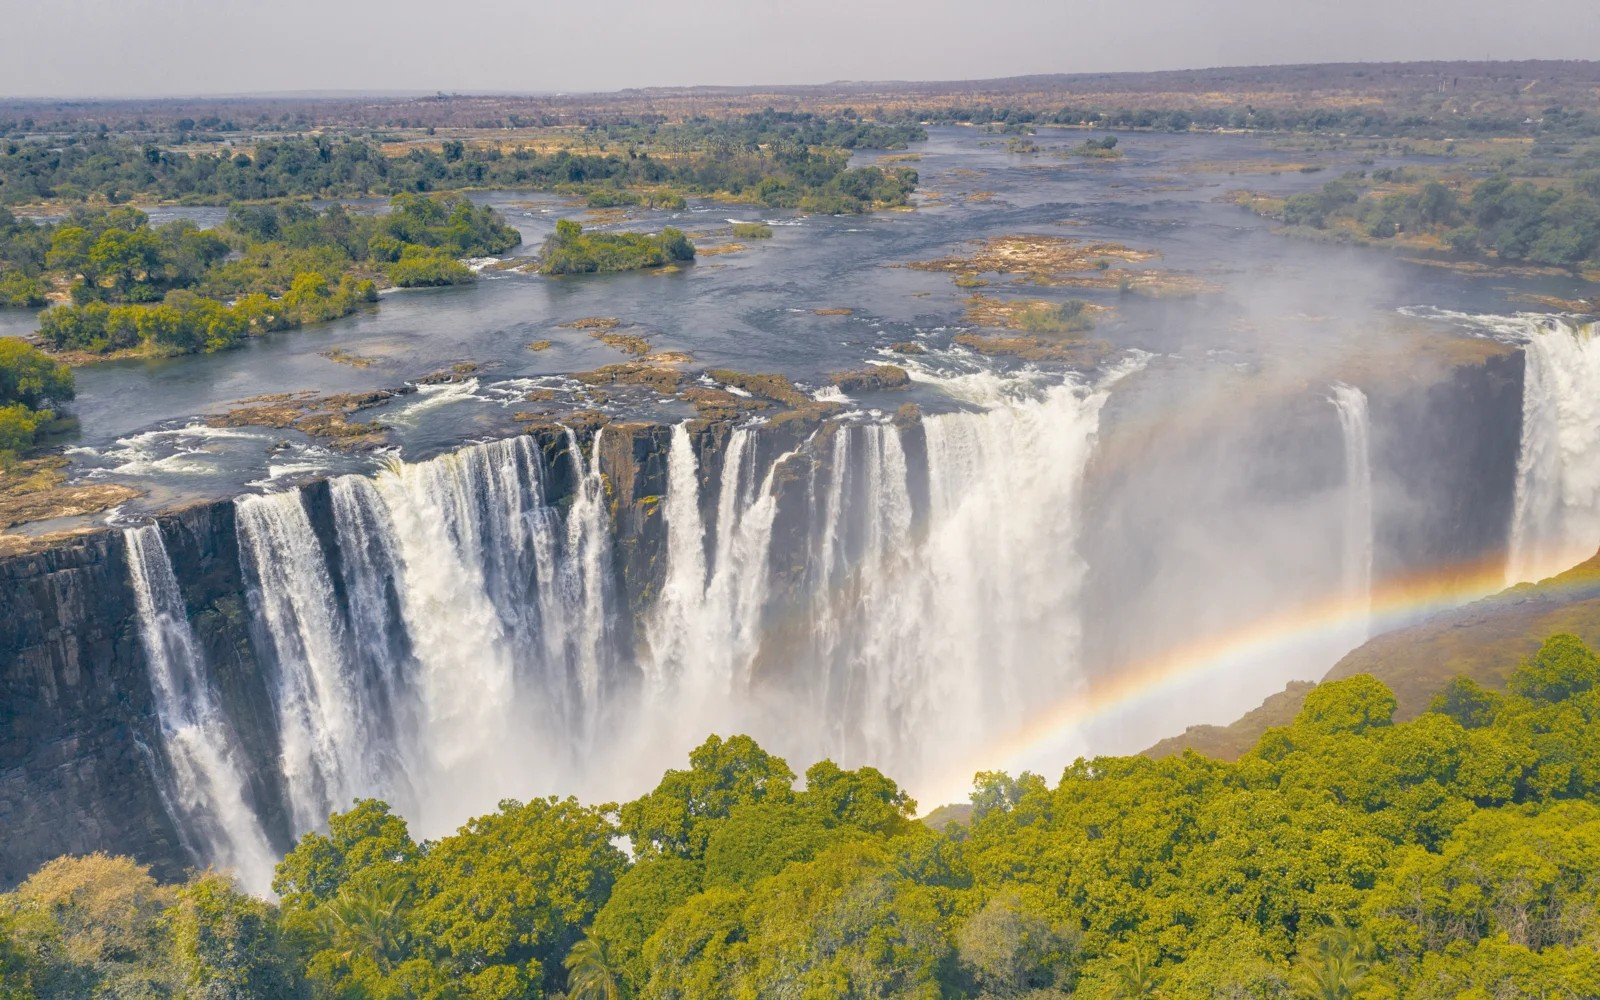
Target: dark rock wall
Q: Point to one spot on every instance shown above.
(1444, 468)
(77, 727)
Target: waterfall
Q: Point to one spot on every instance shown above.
(920, 638)
(1353, 422)
(1556, 523)
(205, 789)
(324, 738)
(674, 632)
(446, 633)
(706, 631)
(454, 628)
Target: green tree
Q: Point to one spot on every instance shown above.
(1336, 963)
(1562, 667)
(1135, 973)
(591, 973)
(1466, 701)
(515, 888)
(1353, 705)
(228, 944)
(366, 921)
(367, 845)
(676, 817)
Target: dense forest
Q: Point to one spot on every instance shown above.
(1555, 224)
(787, 173)
(177, 289)
(1347, 855)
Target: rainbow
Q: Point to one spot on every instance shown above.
(1047, 734)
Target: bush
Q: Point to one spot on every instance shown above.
(31, 378)
(752, 231)
(1071, 316)
(20, 291)
(422, 268)
(18, 427)
(570, 251)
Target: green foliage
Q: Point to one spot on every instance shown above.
(569, 251)
(752, 231)
(1563, 667)
(29, 377)
(29, 383)
(676, 818)
(19, 290)
(591, 973)
(419, 267)
(799, 151)
(640, 901)
(368, 845)
(1345, 856)
(174, 289)
(1513, 220)
(1353, 705)
(1071, 316)
(228, 945)
(186, 323)
(1470, 704)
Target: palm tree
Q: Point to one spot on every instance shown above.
(590, 975)
(1337, 963)
(366, 921)
(1135, 974)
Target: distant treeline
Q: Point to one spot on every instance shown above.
(1367, 120)
(847, 130)
(784, 162)
(1556, 225)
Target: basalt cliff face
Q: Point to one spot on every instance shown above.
(548, 612)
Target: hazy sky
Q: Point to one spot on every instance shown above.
(162, 47)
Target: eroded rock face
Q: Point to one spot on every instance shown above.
(76, 717)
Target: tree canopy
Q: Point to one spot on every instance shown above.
(1347, 855)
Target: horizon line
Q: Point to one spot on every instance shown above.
(406, 94)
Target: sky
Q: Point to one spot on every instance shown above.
(117, 48)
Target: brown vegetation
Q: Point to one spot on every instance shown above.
(36, 490)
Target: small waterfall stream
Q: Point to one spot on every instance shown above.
(206, 785)
(1355, 426)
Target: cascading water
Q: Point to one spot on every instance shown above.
(470, 620)
(205, 785)
(1356, 427)
(325, 739)
(918, 637)
(1556, 523)
(453, 639)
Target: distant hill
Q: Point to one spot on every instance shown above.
(1428, 91)
(1484, 640)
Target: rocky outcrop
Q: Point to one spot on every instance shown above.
(77, 733)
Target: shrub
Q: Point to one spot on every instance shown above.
(419, 267)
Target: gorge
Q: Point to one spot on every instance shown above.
(538, 612)
(549, 579)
